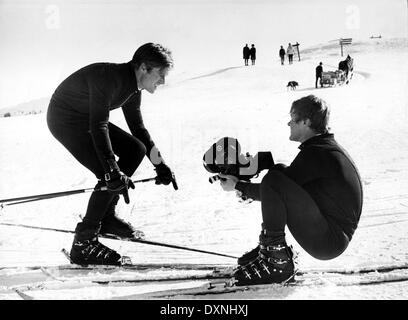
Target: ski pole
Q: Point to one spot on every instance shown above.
(154, 243)
(45, 196)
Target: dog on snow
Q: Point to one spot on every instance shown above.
(292, 85)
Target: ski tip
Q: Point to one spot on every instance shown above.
(291, 279)
(66, 254)
(23, 295)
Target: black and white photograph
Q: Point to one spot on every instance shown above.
(191, 150)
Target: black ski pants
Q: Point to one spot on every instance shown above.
(284, 202)
(72, 131)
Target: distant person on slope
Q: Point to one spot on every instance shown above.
(290, 53)
(245, 53)
(318, 197)
(319, 72)
(78, 117)
(282, 55)
(252, 54)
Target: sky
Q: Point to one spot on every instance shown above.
(42, 42)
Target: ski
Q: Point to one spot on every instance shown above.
(78, 276)
(362, 270)
(206, 286)
(189, 280)
(130, 267)
(199, 266)
(214, 287)
(143, 280)
(226, 286)
(60, 283)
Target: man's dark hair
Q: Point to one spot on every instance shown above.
(314, 109)
(153, 55)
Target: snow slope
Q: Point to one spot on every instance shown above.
(185, 117)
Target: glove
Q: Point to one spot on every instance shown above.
(119, 183)
(165, 175)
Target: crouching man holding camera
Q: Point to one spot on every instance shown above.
(318, 197)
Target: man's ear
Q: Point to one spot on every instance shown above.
(142, 67)
(307, 122)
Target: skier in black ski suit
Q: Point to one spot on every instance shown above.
(318, 197)
(78, 117)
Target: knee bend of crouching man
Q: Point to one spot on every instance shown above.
(318, 197)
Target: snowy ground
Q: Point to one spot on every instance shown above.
(185, 117)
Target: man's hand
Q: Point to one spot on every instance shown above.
(119, 183)
(165, 175)
(228, 182)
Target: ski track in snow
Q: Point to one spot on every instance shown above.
(251, 103)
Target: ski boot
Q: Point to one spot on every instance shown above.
(91, 251)
(112, 225)
(247, 257)
(86, 249)
(274, 264)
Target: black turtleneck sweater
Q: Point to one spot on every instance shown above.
(328, 174)
(88, 95)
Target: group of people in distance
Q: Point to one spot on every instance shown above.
(289, 51)
(318, 197)
(249, 53)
